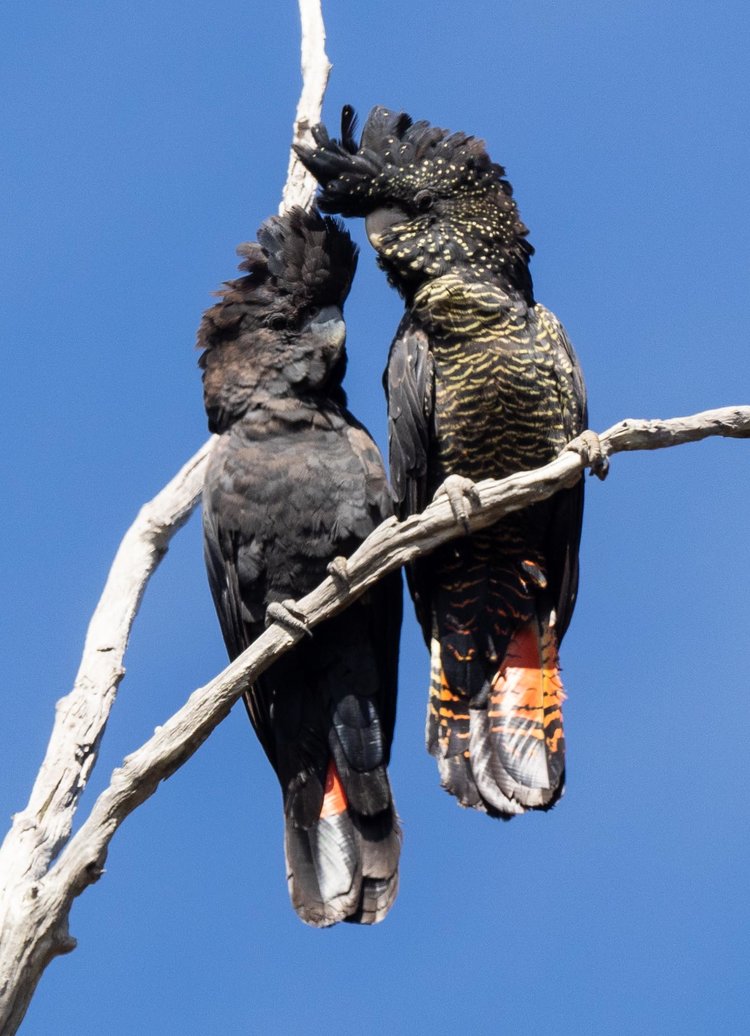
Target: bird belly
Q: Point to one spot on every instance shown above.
(496, 411)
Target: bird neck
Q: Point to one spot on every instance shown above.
(273, 416)
(455, 305)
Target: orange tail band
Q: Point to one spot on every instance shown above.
(334, 799)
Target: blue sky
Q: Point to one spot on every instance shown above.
(141, 143)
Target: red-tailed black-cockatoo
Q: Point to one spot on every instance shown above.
(293, 483)
(482, 381)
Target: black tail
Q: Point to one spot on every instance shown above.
(342, 865)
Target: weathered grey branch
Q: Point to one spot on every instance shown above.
(300, 184)
(29, 938)
(38, 930)
(46, 822)
(43, 827)
(728, 421)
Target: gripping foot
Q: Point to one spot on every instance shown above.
(589, 448)
(339, 573)
(288, 615)
(462, 495)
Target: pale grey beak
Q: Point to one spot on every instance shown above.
(379, 222)
(329, 325)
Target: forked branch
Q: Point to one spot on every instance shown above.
(42, 868)
(28, 937)
(38, 929)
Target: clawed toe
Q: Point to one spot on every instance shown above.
(589, 447)
(288, 615)
(462, 495)
(338, 570)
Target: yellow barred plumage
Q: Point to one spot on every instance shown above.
(501, 406)
(482, 382)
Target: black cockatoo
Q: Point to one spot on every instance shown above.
(293, 483)
(482, 381)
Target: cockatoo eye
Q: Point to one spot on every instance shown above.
(277, 322)
(424, 200)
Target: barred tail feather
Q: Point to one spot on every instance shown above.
(519, 736)
(447, 734)
(507, 754)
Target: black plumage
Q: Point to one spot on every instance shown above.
(482, 381)
(294, 482)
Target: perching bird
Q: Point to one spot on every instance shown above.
(294, 483)
(482, 381)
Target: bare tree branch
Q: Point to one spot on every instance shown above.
(30, 939)
(37, 894)
(40, 830)
(36, 930)
(300, 184)
(46, 822)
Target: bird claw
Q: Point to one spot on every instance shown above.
(460, 492)
(288, 616)
(589, 448)
(338, 570)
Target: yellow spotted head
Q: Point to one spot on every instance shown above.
(433, 200)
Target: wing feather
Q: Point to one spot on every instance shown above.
(409, 383)
(566, 507)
